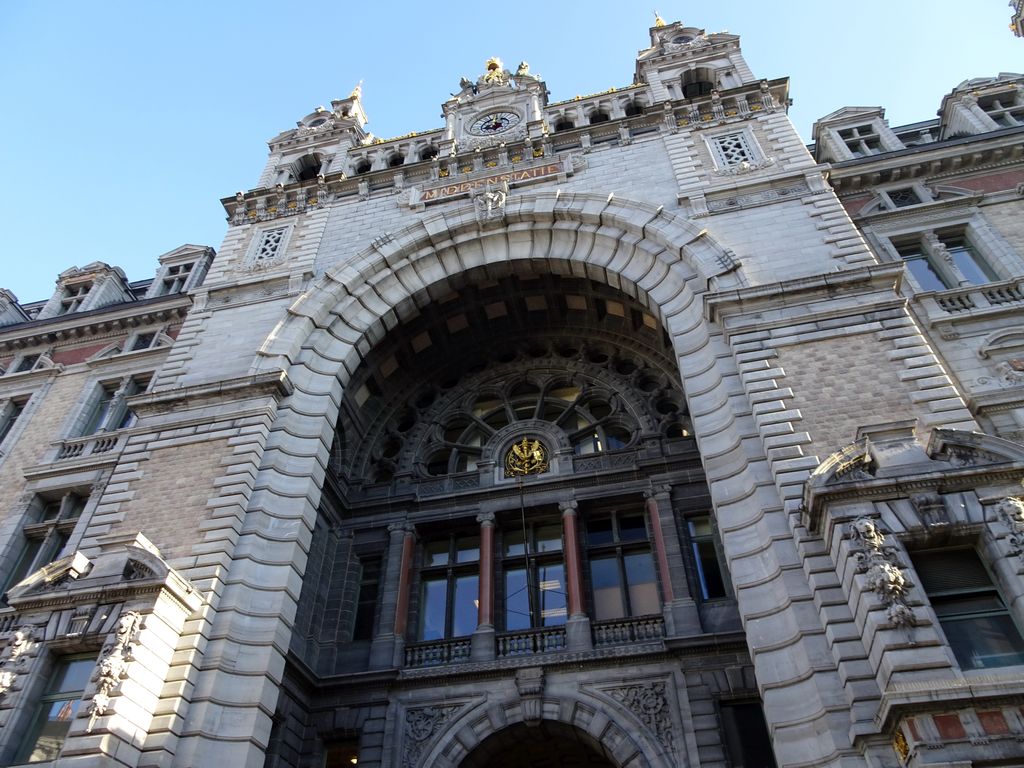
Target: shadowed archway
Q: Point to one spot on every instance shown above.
(546, 745)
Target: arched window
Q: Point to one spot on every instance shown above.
(308, 167)
(564, 124)
(698, 82)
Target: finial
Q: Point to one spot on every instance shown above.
(357, 92)
(658, 21)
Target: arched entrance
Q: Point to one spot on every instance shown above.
(546, 745)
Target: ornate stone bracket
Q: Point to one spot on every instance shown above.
(530, 685)
(880, 563)
(648, 702)
(113, 668)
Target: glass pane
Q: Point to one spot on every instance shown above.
(925, 275)
(50, 728)
(605, 580)
(708, 571)
(467, 592)
(467, 549)
(599, 532)
(25, 560)
(551, 583)
(971, 268)
(435, 603)
(72, 676)
(565, 394)
(437, 552)
(700, 526)
(643, 589)
(632, 528)
(984, 641)
(51, 510)
(513, 541)
(517, 602)
(549, 538)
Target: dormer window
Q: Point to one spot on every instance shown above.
(175, 278)
(862, 140)
(698, 82)
(1006, 109)
(27, 363)
(73, 297)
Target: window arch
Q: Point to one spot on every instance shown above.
(698, 82)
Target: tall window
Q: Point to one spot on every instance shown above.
(51, 522)
(534, 576)
(366, 606)
(942, 260)
(862, 140)
(56, 710)
(109, 410)
(971, 611)
(705, 557)
(451, 582)
(746, 735)
(10, 412)
(621, 566)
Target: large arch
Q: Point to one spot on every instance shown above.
(611, 731)
(664, 261)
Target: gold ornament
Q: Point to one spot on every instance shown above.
(527, 457)
(899, 743)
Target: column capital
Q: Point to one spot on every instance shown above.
(402, 528)
(568, 507)
(658, 492)
(485, 518)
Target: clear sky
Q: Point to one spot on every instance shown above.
(124, 123)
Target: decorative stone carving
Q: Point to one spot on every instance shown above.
(421, 724)
(648, 702)
(746, 167)
(489, 201)
(930, 508)
(1011, 512)
(18, 647)
(1011, 373)
(880, 563)
(113, 667)
(530, 684)
(758, 198)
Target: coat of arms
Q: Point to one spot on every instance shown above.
(527, 457)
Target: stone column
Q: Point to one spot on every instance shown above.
(577, 626)
(482, 642)
(394, 602)
(678, 607)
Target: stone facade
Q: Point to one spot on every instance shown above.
(624, 431)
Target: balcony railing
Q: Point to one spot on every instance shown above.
(975, 298)
(626, 631)
(433, 653)
(527, 642)
(90, 445)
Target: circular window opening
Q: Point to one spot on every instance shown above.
(406, 420)
(391, 448)
(665, 407)
(647, 384)
(597, 356)
(625, 367)
(363, 166)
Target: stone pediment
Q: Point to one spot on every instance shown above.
(893, 467)
(125, 565)
(851, 114)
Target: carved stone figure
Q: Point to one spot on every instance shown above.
(113, 667)
(490, 201)
(648, 702)
(1011, 511)
(18, 647)
(880, 564)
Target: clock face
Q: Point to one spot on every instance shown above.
(491, 123)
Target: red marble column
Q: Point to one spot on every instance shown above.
(404, 577)
(660, 557)
(573, 572)
(485, 607)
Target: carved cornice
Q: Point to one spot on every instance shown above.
(96, 323)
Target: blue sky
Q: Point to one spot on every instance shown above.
(124, 123)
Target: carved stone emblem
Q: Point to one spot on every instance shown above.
(884, 576)
(648, 702)
(489, 201)
(527, 457)
(421, 724)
